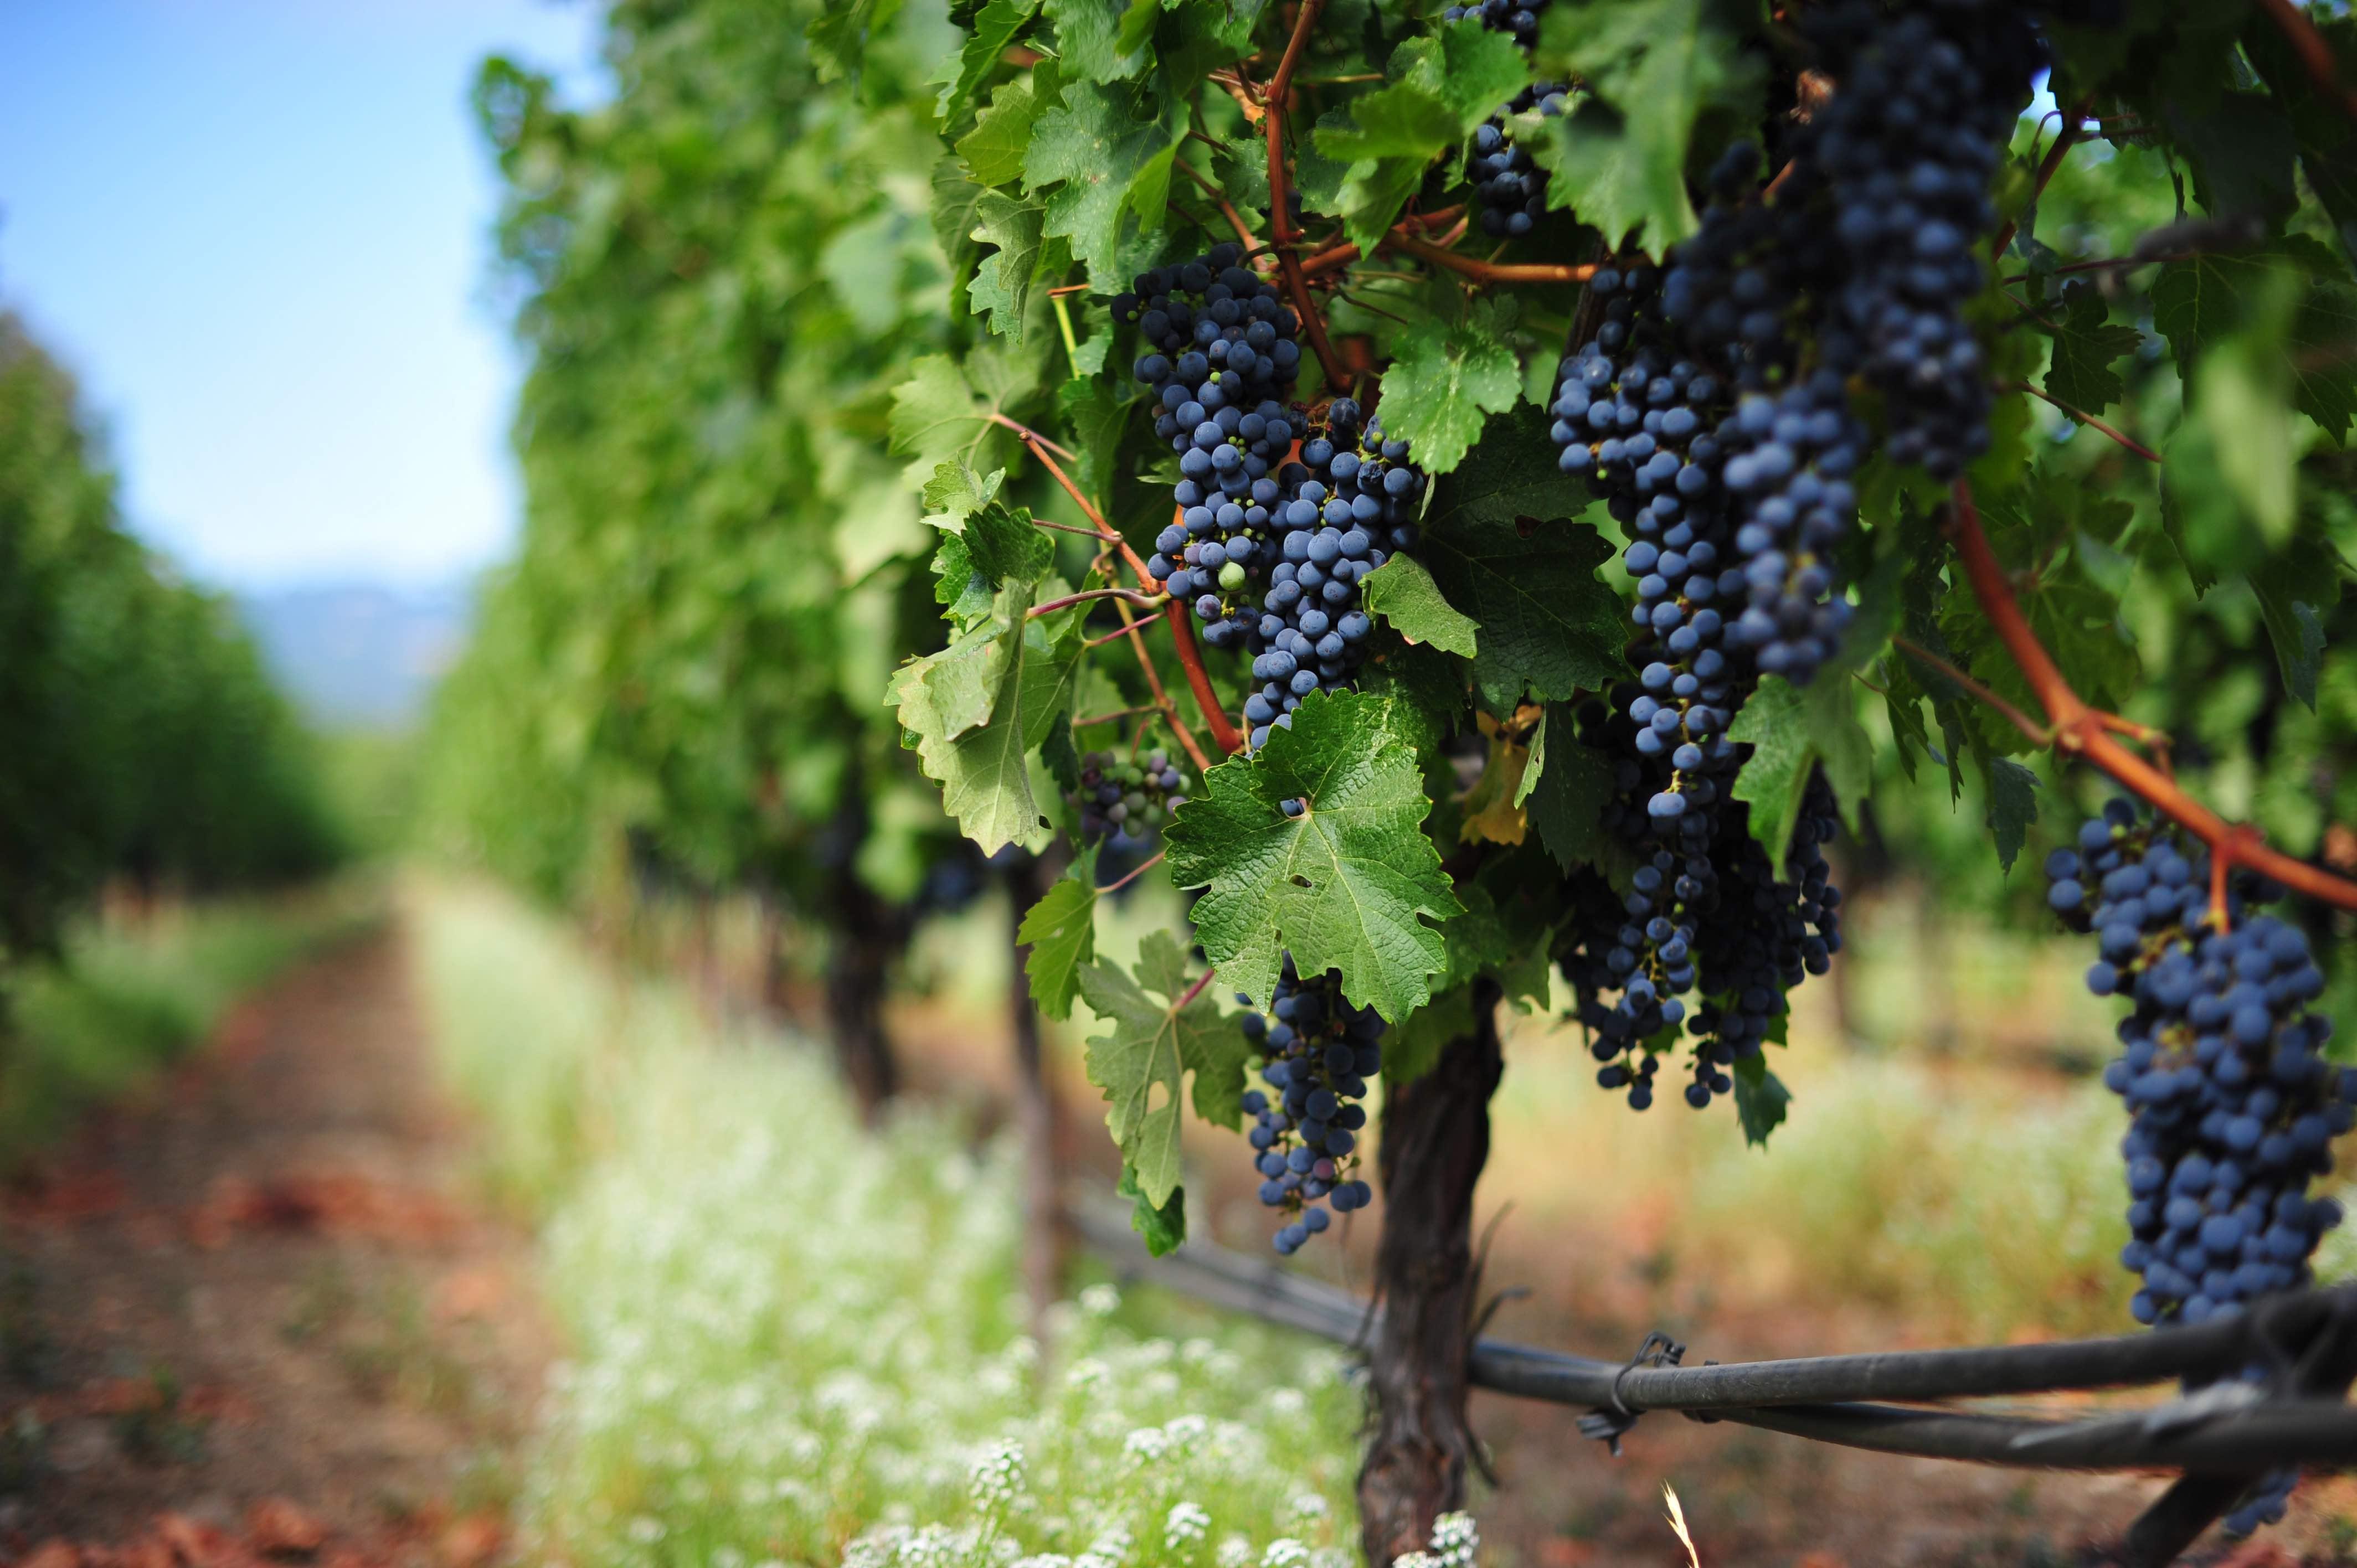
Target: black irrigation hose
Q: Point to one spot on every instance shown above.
(1819, 1397)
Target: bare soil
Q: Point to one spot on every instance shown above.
(251, 1314)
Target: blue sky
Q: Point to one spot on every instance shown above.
(258, 230)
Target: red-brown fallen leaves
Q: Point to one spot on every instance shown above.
(345, 1202)
(279, 1532)
(281, 1529)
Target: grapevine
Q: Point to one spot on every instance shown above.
(1703, 465)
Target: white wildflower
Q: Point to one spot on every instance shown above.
(1147, 1445)
(1285, 1552)
(646, 1531)
(1188, 1523)
(1309, 1506)
(1113, 1545)
(1235, 1551)
(1287, 1402)
(1456, 1539)
(1100, 1300)
(997, 1476)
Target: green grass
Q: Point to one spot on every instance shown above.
(794, 1341)
(126, 998)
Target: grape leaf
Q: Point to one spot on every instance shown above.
(2320, 125)
(954, 199)
(1001, 288)
(996, 25)
(1651, 67)
(2203, 301)
(838, 37)
(1153, 1044)
(956, 492)
(1792, 732)
(2012, 808)
(2081, 372)
(1440, 88)
(941, 413)
(1096, 152)
(1104, 40)
(1347, 884)
(1548, 626)
(993, 149)
(1402, 593)
(1061, 930)
(1493, 807)
(2242, 150)
(1162, 1226)
(2298, 591)
(1761, 1101)
(1444, 383)
(976, 708)
(1565, 789)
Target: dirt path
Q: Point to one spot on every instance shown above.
(250, 1313)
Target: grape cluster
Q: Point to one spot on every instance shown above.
(1320, 1052)
(1520, 18)
(1221, 350)
(1898, 162)
(1350, 502)
(1127, 800)
(2233, 1108)
(1510, 187)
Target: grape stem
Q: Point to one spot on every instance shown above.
(2089, 420)
(2315, 54)
(2078, 730)
(1115, 716)
(1126, 595)
(1195, 990)
(1224, 733)
(1287, 237)
(2013, 715)
(1403, 238)
(1134, 876)
(2073, 123)
(1227, 208)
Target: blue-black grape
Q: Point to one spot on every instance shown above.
(1350, 501)
(1510, 190)
(1220, 352)
(1319, 1053)
(2232, 1109)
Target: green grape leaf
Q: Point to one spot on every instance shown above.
(1005, 547)
(1440, 88)
(2321, 129)
(2081, 372)
(1792, 731)
(996, 25)
(2298, 591)
(1444, 383)
(993, 149)
(1402, 593)
(1061, 930)
(1096, 152)
(2241, 150)
(2012, 808)
(963, 593)
(1001, 289)
(1414, 1048)
(1498, 544)
(942, 412)
(1564, 790)
(955, 197)
(978, 707)
(956, 492)
(1162, 1226)
(1348, 884)
(2214, 299)
(1650, 68)
(1104, 40)
(838, 37)
(1761, 1101)
(1160, 1029)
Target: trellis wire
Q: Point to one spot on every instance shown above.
(2230, 1429)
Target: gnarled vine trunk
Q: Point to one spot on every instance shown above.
(868, 934)
(1435, 1139)
(1044, 1232)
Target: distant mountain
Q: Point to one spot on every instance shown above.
(360, 655)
